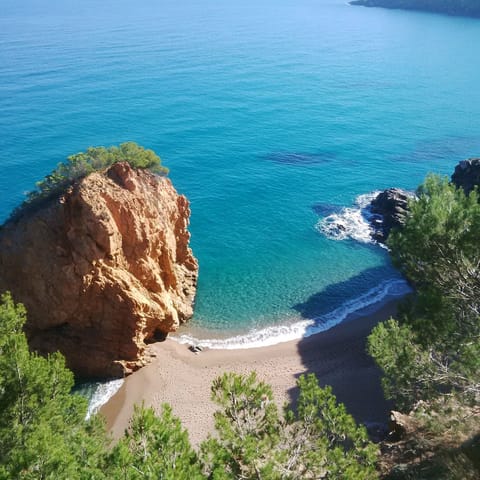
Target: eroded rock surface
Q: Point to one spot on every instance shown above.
(392, 206)
(103, 270)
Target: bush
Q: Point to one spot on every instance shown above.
(81, 164)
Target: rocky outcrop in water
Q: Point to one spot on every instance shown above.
(102, 270)
(390, 210)
(467, 175)
(467, 8)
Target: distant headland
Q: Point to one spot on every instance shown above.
(465, 8)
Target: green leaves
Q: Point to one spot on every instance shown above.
(434, 350)
(317, 440)
(154, 448)
(325, 439)
(42, 429)
(248, 428)
(439, 252)
(81, 164)
(405, 364)
(43, 434)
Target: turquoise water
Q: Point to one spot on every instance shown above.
(269, 115)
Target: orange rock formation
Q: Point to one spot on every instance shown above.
(102, 270)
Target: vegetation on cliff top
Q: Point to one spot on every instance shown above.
(82, 164)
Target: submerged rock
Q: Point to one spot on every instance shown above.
(103, 269)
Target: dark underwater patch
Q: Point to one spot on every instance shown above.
(453, 148)
(299, 158)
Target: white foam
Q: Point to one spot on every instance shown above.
(350, 222)
(303, 328)
(103, 392)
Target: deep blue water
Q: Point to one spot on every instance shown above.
(269, 114)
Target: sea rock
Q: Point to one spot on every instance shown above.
(389, 209)
(103, 270)
(467, 175)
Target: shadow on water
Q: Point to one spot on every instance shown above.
(338, 356)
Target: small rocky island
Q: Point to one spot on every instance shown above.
(466, 8)
(390, 207)
(102, 269)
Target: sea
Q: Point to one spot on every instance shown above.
(276, 118)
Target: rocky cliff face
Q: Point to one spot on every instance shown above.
(103, 270)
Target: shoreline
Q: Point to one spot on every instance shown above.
(371, 300)
(183, 379)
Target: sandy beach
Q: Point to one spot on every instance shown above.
(183, 379)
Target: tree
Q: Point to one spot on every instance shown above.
(43, 432)
(154, 448)
(435, 350)
(81, 164)
(439, 252)
(318, 441)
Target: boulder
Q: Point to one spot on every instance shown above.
(389, 209)
(467, 175)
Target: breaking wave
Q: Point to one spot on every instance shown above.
(351, 222)
(273, 335)
(101, 392)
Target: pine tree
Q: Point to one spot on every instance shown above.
(154, 448)
(43, 434)
(435, 349)
(319, 440)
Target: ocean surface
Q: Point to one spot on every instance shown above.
(272, 115)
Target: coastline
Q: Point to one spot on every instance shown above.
(183, 379)
(445, 8)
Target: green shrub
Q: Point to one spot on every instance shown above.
(81, 164)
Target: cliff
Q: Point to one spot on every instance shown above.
(102, 270)
(467, 8)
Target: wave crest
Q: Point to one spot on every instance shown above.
(283, 333)
(351, 222)
(102, 394)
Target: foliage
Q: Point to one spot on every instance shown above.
(439, 443)
(43, 434)
(431, 357)
(439, 252)
(435, 350)
(81, 164)
(154, 448)
(319, 440)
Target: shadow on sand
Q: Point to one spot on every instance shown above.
(338, 356)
